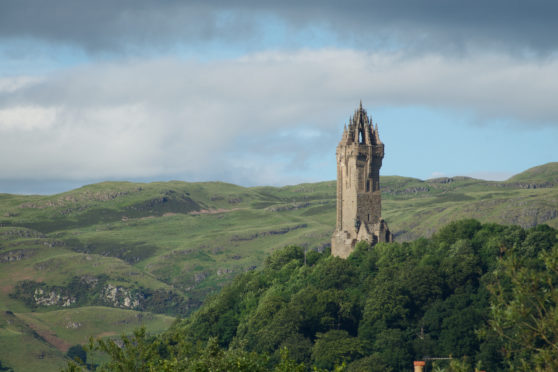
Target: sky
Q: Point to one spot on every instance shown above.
(257, 92)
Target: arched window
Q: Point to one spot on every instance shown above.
(360, 137)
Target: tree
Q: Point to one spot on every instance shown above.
(77, 353)
(334, 347)
(134, 354)
(4, 368)
(524, 309)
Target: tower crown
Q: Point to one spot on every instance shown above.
(360, 129)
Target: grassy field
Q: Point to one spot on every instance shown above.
(39, 340)
(102, 259)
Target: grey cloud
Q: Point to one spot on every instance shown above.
(98, 25)
(244, 120)
(434, 24)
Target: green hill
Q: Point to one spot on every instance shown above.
(161, 248)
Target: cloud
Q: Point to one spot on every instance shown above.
(26, 118)
(264, 118)
(433, 24)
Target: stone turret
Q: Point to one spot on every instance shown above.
(359, 200)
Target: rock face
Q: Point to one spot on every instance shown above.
(359, 200)
(16, 255)
(118, 296)
(52, 298)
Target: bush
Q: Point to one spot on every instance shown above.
(77, 353)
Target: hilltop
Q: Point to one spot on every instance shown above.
(541, 176)
(154, 251)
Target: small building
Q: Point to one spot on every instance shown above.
(359, 199)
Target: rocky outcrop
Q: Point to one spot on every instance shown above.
(16, 255)
(73, 325)
(17, 233)
(528, 185)
(224, 271)
(52, 298)
(121, 297)
(405, 191)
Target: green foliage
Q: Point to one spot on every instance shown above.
(5, 368)
(524, 305)
(280, 258)
(384, 307)
(77, 353)
(288, 365)
(136, 353)
(142, 353)
(455, 231)
(334, 347)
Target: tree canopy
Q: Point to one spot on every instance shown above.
(484, 295)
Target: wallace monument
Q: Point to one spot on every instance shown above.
(359, 199)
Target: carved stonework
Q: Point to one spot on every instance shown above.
(359, 199)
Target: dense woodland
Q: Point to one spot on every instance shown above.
(484, 295)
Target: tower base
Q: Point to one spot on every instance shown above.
(343, 242)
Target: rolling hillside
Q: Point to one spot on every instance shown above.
(133, 253)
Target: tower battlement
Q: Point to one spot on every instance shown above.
(359, 201)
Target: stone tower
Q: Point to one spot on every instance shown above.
(359, 200)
